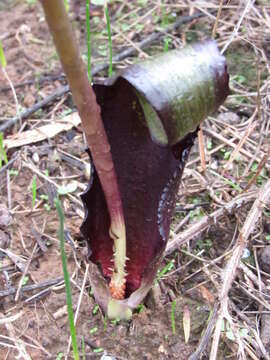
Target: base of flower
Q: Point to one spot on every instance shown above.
(118, 310)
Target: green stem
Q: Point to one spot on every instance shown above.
(66, 279)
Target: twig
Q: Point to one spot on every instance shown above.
(241, 143)
(206, 336)
(14, 95)
(131, 51)
(39, 81)
(236, 29)
(28, 288)
(5, 320)
(259, 169)
(217, 19)
(24, 273)
(201, 148)
(233, 264)
(11, 161)
(197, 228)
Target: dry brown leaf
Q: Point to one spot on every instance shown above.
(186, 323)
(206, 294)
(42, 133)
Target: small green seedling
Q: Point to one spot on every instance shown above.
(45, 198)
(95, 310)
(34, 190)
(115, 321)
(105, 322)
(59, 356)
(98, 350)
(93, 330)
(167, 42)
(13, 172)
(3, 154)
(227, 181)
(209, 144)
(2, 56)
(168, 267)
(140, 308)
(25, 280)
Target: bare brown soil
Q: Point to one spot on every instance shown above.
(42, 331)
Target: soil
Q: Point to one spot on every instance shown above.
(43, 324)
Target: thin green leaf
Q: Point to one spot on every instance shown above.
(34, 190)
(66, 2)
(66, 279)
(168, 267)
(229, 182)
(59, 356)
(2, 56)
(3, 154)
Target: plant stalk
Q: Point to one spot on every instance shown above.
(90, 113)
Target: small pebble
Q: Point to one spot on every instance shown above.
(35, 157)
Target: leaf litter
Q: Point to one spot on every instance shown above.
(209, 242)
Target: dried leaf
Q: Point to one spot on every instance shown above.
(186, 323)
(206, 294)
(42, 133)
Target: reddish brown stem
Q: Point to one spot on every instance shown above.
(89, 111)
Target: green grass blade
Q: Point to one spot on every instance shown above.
(2, 56)
(229, 182)
(66, 2)
(66, 279)
(3, 154)
(89, 48)
(34, 190)
(109, 38)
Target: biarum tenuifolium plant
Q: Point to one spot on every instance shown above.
(139, 139)
(89, 111)
(151, 113)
